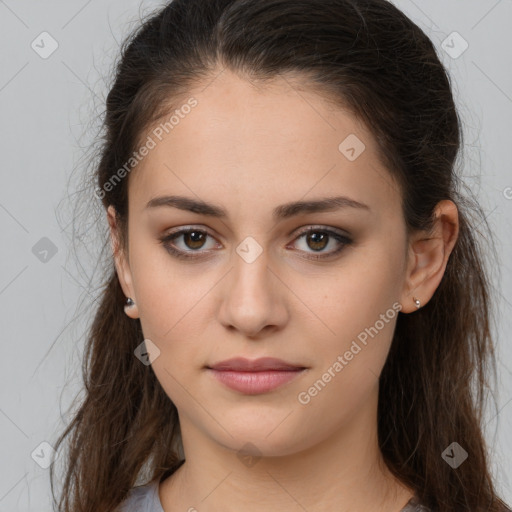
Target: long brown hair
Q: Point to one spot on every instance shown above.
(369, 57)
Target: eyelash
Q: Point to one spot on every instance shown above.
(185, 255)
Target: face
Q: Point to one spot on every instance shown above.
(254, 283)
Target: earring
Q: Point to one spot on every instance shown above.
(129, 302)
(416, 302)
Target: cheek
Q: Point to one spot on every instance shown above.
(355, 294)
(348, 362)
(168, 293)
(357, 307)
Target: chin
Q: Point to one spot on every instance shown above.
(255, 441)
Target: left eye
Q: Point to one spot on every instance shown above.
(194, 239)
(318, 239)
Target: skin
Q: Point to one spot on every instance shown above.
(248, 149)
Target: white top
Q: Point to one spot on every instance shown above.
(145, 498)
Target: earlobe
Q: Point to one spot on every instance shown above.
(130, 308)
(428, 256)
(122, 265)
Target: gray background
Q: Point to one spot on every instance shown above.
(49, 108)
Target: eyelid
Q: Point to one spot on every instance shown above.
(308, 227)
(320, 227)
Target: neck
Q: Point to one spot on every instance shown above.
(344, 472)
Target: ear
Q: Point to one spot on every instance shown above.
(428, 255)
(121, 262)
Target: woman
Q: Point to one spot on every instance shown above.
(297, 305)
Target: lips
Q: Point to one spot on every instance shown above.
(240, 364)
(255, 377)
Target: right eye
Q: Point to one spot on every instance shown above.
(193, 238)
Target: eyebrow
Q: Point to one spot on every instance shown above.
(281, 212)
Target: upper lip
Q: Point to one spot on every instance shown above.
(242, 364)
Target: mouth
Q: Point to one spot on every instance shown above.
(255, 377)
(241, 364)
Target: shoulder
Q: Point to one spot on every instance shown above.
(143, 498)
(414, 505)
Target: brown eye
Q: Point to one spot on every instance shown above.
(318, 239)
(193, 239)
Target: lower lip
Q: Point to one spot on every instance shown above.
(254, 383)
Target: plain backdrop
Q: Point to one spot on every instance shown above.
(55, 69)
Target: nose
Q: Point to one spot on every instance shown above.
(253, 298)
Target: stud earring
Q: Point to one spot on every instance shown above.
(129, 302)
(416, 302)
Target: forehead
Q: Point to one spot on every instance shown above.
(249, 142)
